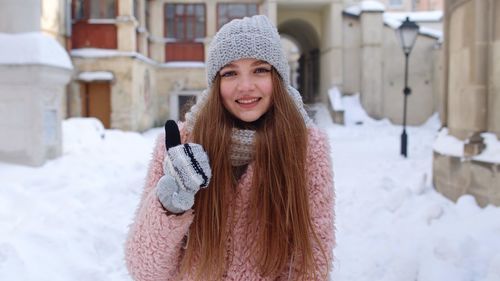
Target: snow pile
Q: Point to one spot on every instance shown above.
(68, 219)
(335, 98)
(32, 48)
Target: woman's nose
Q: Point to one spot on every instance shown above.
(246, 83)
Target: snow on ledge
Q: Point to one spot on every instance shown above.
(89, 76)
(449, 145)
(427, 16)
(186, 64)
(372, 6)
(365, 6)
(32, 48)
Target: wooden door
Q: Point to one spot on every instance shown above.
(96, 101)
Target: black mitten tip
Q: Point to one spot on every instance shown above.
(172, 134)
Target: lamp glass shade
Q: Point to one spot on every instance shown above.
(407, 35)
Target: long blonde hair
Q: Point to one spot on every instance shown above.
(279, 197)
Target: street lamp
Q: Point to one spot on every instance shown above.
(407, 34)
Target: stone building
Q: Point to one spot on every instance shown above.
(136, 62)
(466, 158)
(34, 70)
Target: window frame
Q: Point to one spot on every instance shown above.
(247, 4)
(185, 16)
(393, 5)
(87, 8)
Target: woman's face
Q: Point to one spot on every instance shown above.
(246, 88)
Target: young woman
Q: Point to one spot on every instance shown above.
(248, 195)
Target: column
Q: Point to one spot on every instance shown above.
(371, 62)
(331, 56)
(126, 24)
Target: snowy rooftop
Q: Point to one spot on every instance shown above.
(32, 48)
(394, 19)
(109, 53)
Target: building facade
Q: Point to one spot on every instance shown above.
(471, 102)
(138, 61)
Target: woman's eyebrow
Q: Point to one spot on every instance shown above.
(259, 62)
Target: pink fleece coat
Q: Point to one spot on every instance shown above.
(154, 244)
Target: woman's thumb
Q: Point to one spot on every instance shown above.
(172, 135)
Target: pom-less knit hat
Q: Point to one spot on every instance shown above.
(251, 37)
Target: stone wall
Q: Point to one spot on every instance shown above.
(454, 177)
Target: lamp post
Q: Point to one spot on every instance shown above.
(407, 34)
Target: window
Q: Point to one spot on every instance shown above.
(228, 12)
(397, 3)
(102, 9)
(94, 9)
(185, 22)
(136, 9)
(79, 9)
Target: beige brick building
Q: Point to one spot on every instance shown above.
(138, 61)
(471, 102)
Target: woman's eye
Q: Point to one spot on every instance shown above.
(228, 74)
(262, 70)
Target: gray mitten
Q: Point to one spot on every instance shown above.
(186, 168)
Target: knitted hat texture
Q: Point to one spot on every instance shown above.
(251, 37)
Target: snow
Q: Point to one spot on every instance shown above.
(32, 48)
(335, 99)
(395, 19)
(365, 6)
(422, 16)
(449, 145)
(89, 76)
(491, 153)
(68, 219)
(371, 6)
(108, 53)
(184, 64)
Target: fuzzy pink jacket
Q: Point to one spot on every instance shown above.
(154, 244)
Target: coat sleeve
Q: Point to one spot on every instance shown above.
(321, 205)
(155, 239)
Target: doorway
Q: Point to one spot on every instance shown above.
(96, 101)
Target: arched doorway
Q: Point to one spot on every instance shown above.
(305, 37)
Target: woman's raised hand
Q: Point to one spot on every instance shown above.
(186, 168)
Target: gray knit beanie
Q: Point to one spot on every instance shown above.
(251, 37)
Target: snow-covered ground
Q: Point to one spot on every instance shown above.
(68, 219)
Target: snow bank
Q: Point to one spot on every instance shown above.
(68, 219)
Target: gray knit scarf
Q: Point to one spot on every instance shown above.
(242, 141)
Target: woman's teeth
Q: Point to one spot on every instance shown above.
(246, 101)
